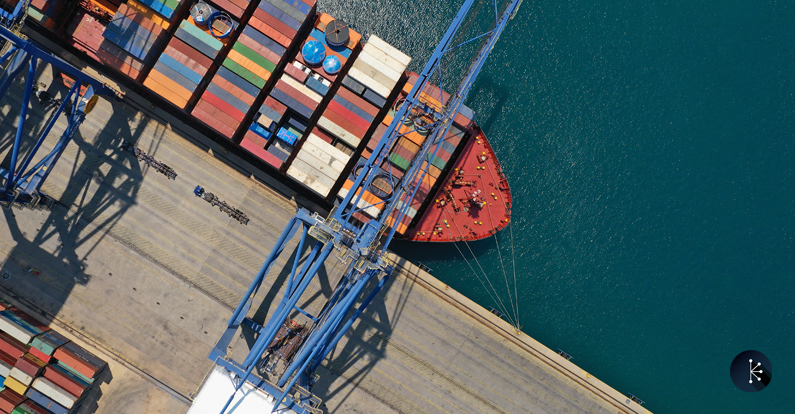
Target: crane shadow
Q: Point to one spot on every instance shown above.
(95, 184)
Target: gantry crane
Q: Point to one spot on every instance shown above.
(361, 245)
(22, 186)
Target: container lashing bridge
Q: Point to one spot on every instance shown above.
(361, 245)
(21, 185)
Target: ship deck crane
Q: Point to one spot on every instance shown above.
(22, 185)
(362, 245)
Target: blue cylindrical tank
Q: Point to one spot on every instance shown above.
(314, 52)
(332, 65)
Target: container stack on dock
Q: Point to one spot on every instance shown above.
(283, 118)
(364, 91)
(41, 372)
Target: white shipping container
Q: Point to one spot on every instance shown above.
(381, 56)
(56, 393)
(381, 66)
(300, 87)
(20, 376)
(371, 211)
(304, 179)
(369, 82)
(338, 131)
(322, 173)
(375, 74)
(5, 369)
(411, 211)
(322, 150)
(17, 332)
(389, 50)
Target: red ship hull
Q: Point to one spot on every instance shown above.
(472, 203)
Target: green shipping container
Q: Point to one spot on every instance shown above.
(244, 73)
(399, 161)
(254, 57)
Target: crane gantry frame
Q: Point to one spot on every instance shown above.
(22, 186)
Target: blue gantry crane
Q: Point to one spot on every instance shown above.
(361, 245)
(22, 185)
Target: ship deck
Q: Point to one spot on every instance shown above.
(473, 203)
(147, 273)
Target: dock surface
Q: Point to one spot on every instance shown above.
(148, 274)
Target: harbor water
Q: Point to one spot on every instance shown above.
(649, 147)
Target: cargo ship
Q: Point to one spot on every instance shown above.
(301, 92)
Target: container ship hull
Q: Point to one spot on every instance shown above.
(297, 90)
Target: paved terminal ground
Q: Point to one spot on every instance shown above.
(146, 273)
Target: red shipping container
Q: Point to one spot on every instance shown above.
(12, 347)
(121, 55)
(260, 153)
(357, 100)
(185, 60)
(274, 23)
(275, 105)
(310, 3)
(218, 114)
(212, 122)
(77, 362)
(40, 355)
(7, 359)
(117, 64)
(269, 31)
(344, 123)
(295, 94)
(230, 7)
(64, 381)
(347, 114)
(256, 139)
(86, 32)
(142, 21)
(223, 106)
(322, 135)
(9, 400)
(296, 73)
(190, 52)
(38, 4)
(30, 365)
(243, 4)
(234, 90)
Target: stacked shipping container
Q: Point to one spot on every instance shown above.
(322, 155)
(40, 370)
(363, 93)
(45, 11)
(183, 64)
(247, 68)
(282, 119)
(220, 91)
(131, 40)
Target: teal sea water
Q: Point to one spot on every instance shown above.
(650, 147)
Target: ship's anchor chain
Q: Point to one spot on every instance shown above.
(149, 160)
(222, 205)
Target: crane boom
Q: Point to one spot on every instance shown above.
(362, 246)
